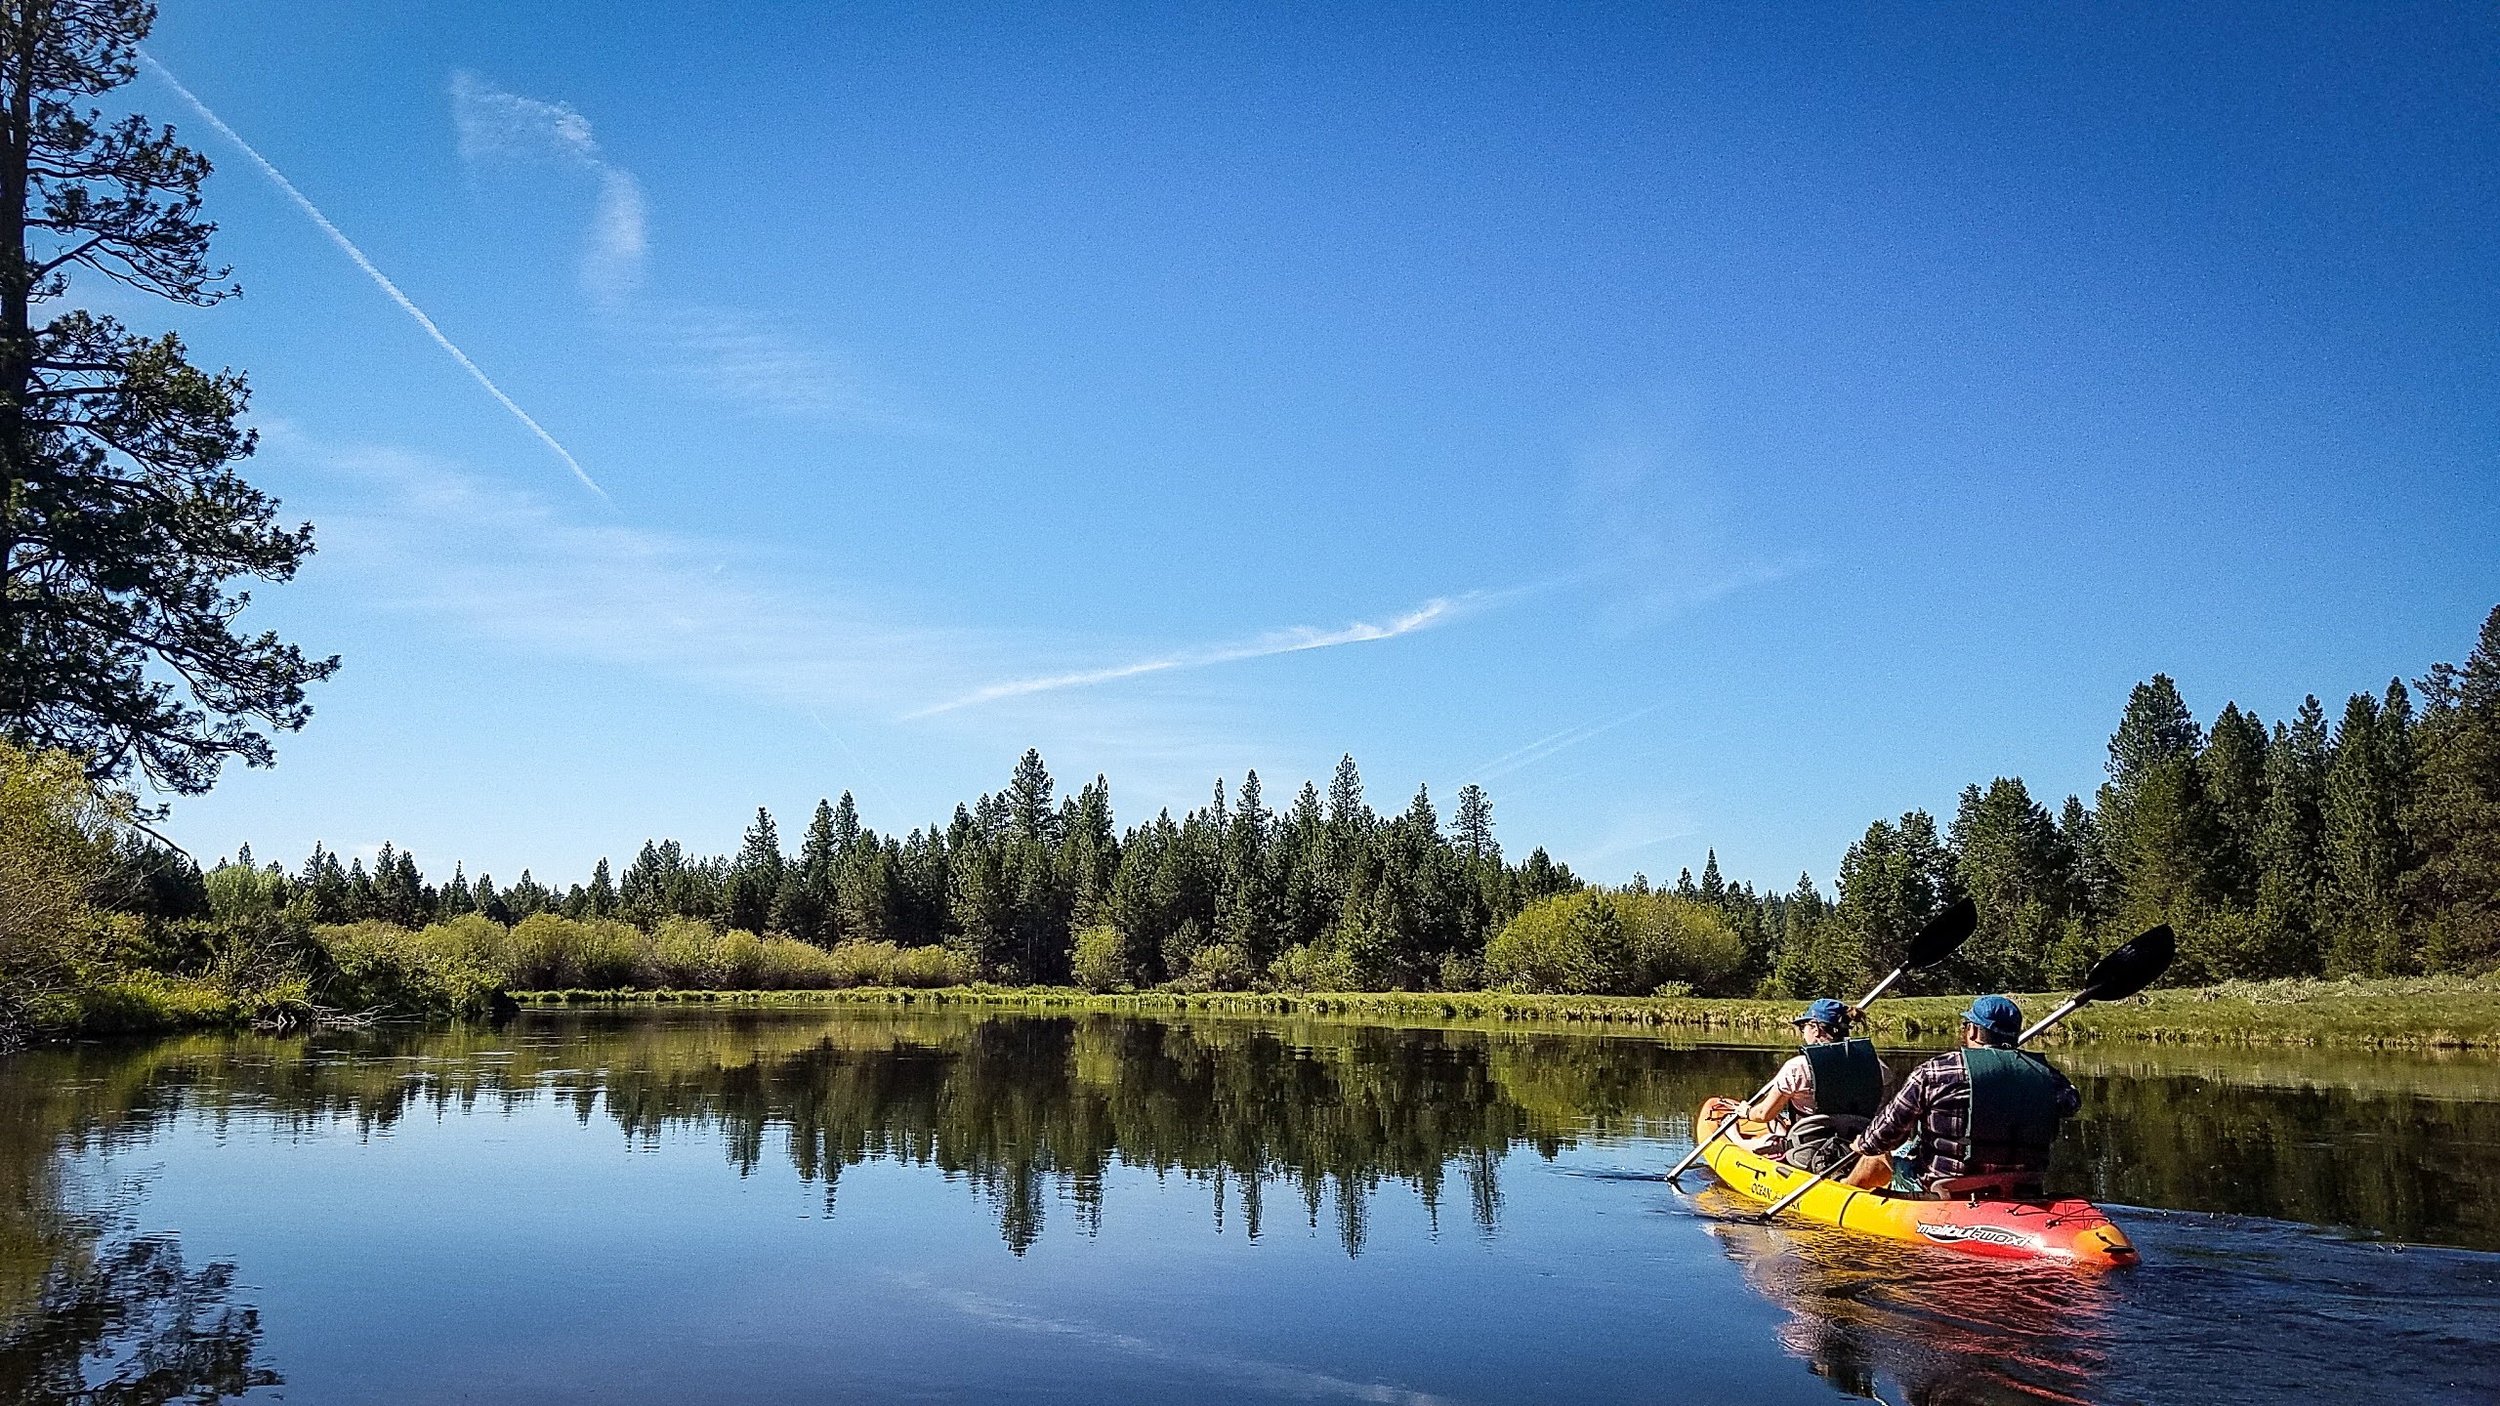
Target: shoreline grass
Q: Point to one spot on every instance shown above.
(2423, 1013)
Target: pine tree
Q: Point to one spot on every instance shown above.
(2096, 894)
(804, 906)
(2291, 843)
(1892, 881)
(1541, 877)
(1473, 826)
(642, 895)
(326, 887)
(2365, 844)
(1031, 811)
(601, 900)
(2233, 771)
(361, 900)
(1307, 893)
(2158, 824)
(1245, 902)
(1799, 963)
(490, 904)
(2011, 860)
(846, 827)
(1140, 897)
(527, 896)
(2454, 816)
(122, 521)
(755, 876)
(457, 896)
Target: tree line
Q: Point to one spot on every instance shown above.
(1232, 893)
(2371, 848)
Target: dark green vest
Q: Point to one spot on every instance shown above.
(1847, 1079)
(2013, 1103)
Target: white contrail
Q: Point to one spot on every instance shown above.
(380, 279)
(1564, 740)
(1293, 641)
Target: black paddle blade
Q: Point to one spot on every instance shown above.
(2133, 967)
(1947, 931)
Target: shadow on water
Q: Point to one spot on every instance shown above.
(1034, 1117)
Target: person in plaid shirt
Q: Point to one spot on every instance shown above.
(1984, 1110)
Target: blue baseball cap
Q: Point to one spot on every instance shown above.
(1998, 1015)
(1826, 1012)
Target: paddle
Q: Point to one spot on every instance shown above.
(2115, 977)
(1943, 935)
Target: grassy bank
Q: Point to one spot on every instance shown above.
(2426, 1013)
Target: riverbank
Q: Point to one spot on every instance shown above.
(2423, 1013)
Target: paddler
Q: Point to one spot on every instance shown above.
(1984, 1115)
(1831, 1075)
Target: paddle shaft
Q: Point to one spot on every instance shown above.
(1824, 1175)
(2054, 1017)
(1726, 1123)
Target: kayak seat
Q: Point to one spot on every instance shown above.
(1989, 1186)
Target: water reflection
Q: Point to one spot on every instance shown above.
(1050, 1122)
(1869, 1316)
(1021, 1111)
(129, 1323)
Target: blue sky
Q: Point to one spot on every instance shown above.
(1706, 429)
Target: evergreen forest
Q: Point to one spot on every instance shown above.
(2366, 843)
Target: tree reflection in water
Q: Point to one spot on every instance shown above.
(1039, 1117)
(127, 1323)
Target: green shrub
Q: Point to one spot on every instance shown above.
(447, 969)
(885, 964)
(56, 836)
(1099, 959)
(548, 951)
(1605, 942)
(238, 890)
(1316, 966)
(1218, 966)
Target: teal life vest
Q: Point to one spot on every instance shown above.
(1847, 1079)
(2013, 1106)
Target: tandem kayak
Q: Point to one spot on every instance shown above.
(2070, 1230)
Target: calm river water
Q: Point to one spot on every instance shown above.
(831, 1206)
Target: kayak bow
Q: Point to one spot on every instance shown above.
(2069, 1230)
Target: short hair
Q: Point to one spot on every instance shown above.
(1991, 1038)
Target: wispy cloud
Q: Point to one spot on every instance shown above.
(413, 534)
(1555, 743)
(745, 361)
(481, 560)
(499, 127)
(380, 279)
(738, 358)
(1667, 544)
(1437, 611)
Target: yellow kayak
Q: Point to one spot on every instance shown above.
(2070, 1230)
